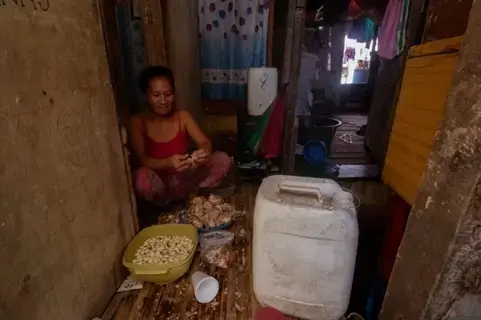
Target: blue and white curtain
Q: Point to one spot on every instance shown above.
(233, 36)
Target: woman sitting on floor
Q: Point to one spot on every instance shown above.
(160, 139)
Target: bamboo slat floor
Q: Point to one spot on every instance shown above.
(176, 301)
(348, 147)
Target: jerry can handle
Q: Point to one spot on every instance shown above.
(301, 190)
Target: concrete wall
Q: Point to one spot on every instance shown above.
(65, 209)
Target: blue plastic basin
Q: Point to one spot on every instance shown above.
(315, 152)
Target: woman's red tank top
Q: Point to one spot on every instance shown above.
(163, 150)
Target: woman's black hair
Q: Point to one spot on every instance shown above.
(152, 72)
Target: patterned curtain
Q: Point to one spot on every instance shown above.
(233, 37)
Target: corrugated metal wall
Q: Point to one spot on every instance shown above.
(426, 82)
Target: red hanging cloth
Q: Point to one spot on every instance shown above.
(270, 146)
(354, 10)
(394, 233)
(359, 6)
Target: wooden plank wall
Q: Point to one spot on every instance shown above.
(426, 82)
(153, 28)
(446, 19)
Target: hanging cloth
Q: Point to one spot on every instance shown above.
(369, 31)
(233, 38)
(358, 30)
(358, 7)
(393, 29)
(349, 54)
(354, 10)
(267, 139)
(402, 26)
(362, 30)
(270, 146)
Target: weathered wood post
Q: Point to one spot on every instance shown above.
(437, 274)
(290, 74)
(153, 28)
(183, 53)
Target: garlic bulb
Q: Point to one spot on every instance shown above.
(163, 250)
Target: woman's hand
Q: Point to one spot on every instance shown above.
(201, 156)
(180, 162)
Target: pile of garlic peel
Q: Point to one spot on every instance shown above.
(209, 212)
(219, 256)
(164, 250)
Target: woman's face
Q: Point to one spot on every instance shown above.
(160, 96)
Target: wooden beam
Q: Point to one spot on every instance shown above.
(117, 78)
(114, 57)
(295, 30)
(183, 53)
(270, 33)
(153, 28)
(437, 274)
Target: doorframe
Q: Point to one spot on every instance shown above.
(290, 76)
(114, 55)
(117, 79)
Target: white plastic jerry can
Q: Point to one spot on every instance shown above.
(304, 246)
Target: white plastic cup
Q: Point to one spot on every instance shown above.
(205, 287)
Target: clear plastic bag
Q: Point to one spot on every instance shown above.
(216, 248)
